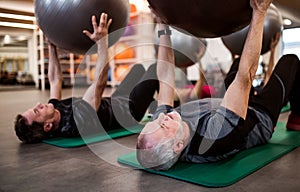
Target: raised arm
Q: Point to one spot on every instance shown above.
(54, 73)
(201, 81)
(94, 93)
(271, 63)
(165, 68)
(241, 85)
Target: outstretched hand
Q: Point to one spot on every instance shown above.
(100, 30)
(260, 5)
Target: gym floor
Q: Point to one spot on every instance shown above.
(42, 167)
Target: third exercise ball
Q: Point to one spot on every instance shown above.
(63, 21)
(185, 46)
(204, 18)
(272, 25)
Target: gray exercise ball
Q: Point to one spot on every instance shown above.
(272, 25)
(62, 21)
(204, 18)
(185, 46)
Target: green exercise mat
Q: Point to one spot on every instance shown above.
(227, 172)
(286, 108)
(78, 141)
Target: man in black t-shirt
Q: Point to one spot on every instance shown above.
(91, 113)
(212, 129)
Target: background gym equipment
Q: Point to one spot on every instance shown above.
(133, 11)
(63, 21)
(204, 18)
(290, 10)
(129, 30)
(273, 24)
(123, 51)
(121, 71)
(185, 46)
(229, 171)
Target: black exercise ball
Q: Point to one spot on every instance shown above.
(272, 25)
(204, 18)
(62, 21)
(185, 47)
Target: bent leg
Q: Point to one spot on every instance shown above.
(281, 87)
(134, 95)
(142, 94)
(294, 96)
(129, 82)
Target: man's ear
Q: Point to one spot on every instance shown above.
(47, 126)
(178, 147)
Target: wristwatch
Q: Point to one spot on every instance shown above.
(166, 31)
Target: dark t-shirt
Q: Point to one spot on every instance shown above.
(79, 118)
(211, 123)
(67, 126)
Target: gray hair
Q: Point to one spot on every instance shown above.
(161, 156)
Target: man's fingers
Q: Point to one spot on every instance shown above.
(109, 22)
(94, 22)
(87, 33)
(103, 20)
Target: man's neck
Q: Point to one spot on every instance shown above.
(56, 121)
(187, 133)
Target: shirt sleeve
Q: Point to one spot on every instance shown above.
(162, 109)
(220, 123)
(54, 102)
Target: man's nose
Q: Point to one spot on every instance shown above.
(166, 118)
(38, 105)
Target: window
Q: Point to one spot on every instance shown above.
(291, 39)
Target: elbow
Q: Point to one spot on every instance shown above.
(245, 80)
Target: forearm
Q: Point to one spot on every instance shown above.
(165, 69)
(54, 68)
(199, 84)
(242, 83)
(54, 73)
(102, 66)
(252, 48)
(270, 66)
(94, 93)
(102, 60)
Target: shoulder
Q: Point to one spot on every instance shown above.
(65, 102)
(53, 101)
